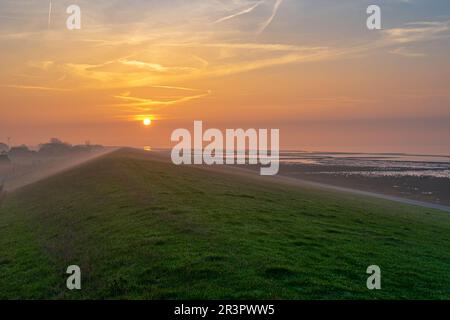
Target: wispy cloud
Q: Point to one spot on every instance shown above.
(276, 6)
(175, 53)
(39, 88)
(147, 104)
(240, 13)
(49, 14)
(199, 57)
(405, 52)
(418, 31)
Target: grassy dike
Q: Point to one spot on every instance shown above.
(140, 228)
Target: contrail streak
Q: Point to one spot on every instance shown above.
(49, 14)
(274, 13)
(248, 10)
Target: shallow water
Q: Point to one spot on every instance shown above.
(373, 164)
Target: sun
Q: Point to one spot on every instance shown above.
(147, 121)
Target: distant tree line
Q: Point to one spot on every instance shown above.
(54, 148)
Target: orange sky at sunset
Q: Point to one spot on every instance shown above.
(308, 68)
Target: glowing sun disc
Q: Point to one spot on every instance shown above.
(147, 121)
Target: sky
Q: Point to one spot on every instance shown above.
(309, 68)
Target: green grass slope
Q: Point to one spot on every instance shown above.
(145, 229)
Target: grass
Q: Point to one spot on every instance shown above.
(145, 229)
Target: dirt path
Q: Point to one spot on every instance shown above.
(365, 193)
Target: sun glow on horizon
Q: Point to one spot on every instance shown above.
(134, 75)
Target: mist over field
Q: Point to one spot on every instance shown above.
(20, 166)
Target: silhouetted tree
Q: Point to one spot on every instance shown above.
(20, 151)
(54, 148)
